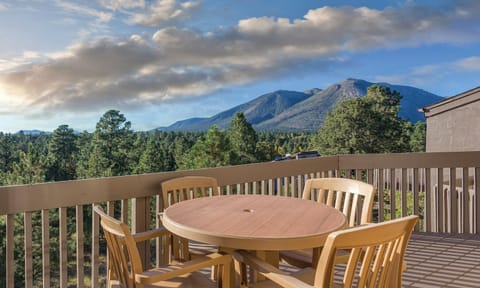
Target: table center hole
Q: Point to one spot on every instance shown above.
(248, 210)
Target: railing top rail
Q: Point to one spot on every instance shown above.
(15, 199)
(410, 160)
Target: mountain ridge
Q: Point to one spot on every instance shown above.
(285, 110)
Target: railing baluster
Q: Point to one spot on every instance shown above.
(476, 190)
(110, 211)
(404, 192)
(95, 248)
(440, 202)
(140, 223)
(62, 222)
(393, 193)
(416, 197)
(80, 240)
(466, 207)
(27, 234)
(46, 248)
(381, 199)
(453, 203)
(428, 214)
(161, 257)
(229, 189)
(124, 210)
(299, 186)
(10, 261)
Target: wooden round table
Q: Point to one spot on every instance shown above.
(254, 222)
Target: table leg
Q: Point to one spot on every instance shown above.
(271, 257)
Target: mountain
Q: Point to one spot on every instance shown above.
(33, 132)
(265, 107)
(310, 114)
(306, 111)
(182, 124)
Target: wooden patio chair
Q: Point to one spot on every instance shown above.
(376, 252)
(126, 269)
(184, 188)
(354, 198)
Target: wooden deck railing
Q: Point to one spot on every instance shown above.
(441, 187)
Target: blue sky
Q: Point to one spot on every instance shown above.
(160, 61)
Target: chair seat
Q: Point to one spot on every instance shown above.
(191, 280)
(298, 258)
(303, 258)
(201, 249)
(307, 275)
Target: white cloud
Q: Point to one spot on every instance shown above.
(428, 74)
(122, 4)
(101, 16)
(179, 63)
(468, 64)
(163, 11)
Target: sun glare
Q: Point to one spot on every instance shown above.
(6, 98)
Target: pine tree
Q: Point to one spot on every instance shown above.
(212, 151)
(28, 170)
(243, 139)
(418, 137)
(62, 152)
(111, 144)
(364, 125)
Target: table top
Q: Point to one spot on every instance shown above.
(254, 222)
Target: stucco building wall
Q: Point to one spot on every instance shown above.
(454, 124)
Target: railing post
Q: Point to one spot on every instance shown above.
(140, 222)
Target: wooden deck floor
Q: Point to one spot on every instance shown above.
(442, 260)
(439, 260)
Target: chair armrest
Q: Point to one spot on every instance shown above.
(147, 235)
(181, 268)
(276, 275)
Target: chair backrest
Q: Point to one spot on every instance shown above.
(346, 195)
(124, 258)
(376, 254)
(184, 188)
(188, 187)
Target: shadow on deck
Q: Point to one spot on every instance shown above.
(442, 260)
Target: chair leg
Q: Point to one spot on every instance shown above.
(240, 272)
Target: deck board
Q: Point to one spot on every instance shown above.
(442, 260)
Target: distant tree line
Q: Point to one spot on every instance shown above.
(362, 125)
